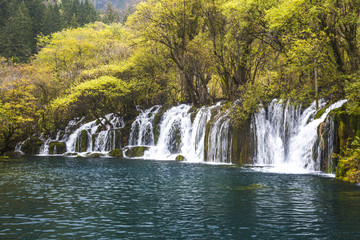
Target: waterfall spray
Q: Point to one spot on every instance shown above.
(285, 137)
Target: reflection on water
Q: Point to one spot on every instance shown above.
(67, 198)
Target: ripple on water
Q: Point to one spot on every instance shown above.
(53, 198)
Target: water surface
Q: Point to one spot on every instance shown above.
(71, 198)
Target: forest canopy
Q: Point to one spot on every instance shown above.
(167, 52)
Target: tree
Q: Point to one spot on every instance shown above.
(51, 21)
(310, 49)
(17, 34)
(176, 25)
(111, 14)
(17, 105)
(94, 99)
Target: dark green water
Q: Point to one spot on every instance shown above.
(68, 198)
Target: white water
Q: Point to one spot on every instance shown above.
(142, 128)
(178, 135)
(175, 131)
(220, 140)
(197, 146)
(101, 137)
(285, 137)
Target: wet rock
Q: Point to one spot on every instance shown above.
(118, 153)
(180, 158)
(95, 155)
(82, 141)
(137, 151)
(57, 147)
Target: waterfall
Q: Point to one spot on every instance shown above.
(94, 136)
(177, 135)
(44, 149)
(220, 139)
(325, 144)
(142, 128)
(19, 146)
(330, 144)
(196, 147)
(285, 136)
(175, 130)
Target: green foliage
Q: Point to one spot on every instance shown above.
(252, 95)
(17, 35)
(348, 168)
(17, 105)
(68, 53)
(94, 99)
(352, 90)
(175, 27)
(22, 21)
(111, 14)
(169, 52)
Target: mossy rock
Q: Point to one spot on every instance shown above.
(71, 154)
(57, 147)
(320, 113)
(82, 142)
(118, 137)
(193, 116)
(226, 106)
(125, 133)
(32, 146)
(137, 151)
(118, 153)
(95, 155)
(348, 126)
(242, 150)
(180, 158)
(156, 125)
(194, 109)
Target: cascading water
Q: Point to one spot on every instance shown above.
(95, 136)
(142, 128)
(325, 144)
(285, 137)
(178, 135)
(197, 146)
(220, 139)
(175, 130)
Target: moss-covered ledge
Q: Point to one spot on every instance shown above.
(347, 151)
(133, 152)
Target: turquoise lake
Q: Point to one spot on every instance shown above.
(88, 198)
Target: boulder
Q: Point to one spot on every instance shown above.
(118, 153)
(57, 147)
(180, 158)
(95, 155)
(137, 151)
(82, 142)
